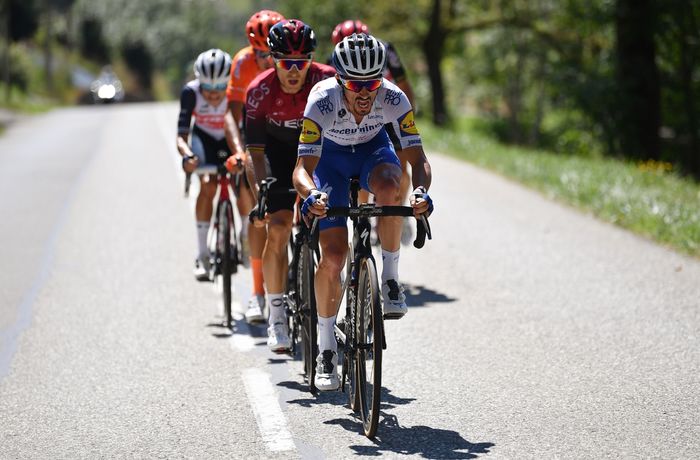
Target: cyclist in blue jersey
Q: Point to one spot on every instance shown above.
(395, 72)
(342, 136)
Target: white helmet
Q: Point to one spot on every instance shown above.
(359, 56)
(212, 67)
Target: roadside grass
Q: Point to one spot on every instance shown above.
(647, 198)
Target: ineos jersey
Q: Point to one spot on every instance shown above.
(272, 113)
(326, 117)
(206, 117)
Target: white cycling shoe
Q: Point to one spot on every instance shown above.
(201, 268)
(254, 313)
(394, 300)
(278, 338)
(327, 371)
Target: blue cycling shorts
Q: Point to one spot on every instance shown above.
(339, 163)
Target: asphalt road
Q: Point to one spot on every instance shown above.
(534, 331)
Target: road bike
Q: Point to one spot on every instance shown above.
(360, 332)
(299, 296)
(223, 242)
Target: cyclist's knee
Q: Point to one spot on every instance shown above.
(332, 263)
(207, 189)
(386, 187)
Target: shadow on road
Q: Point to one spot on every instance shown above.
(425, 441)
(419, 296)
(239, 326)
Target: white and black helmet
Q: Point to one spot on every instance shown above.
(212, 67)
(359, 56)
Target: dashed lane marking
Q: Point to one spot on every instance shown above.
(272, 422)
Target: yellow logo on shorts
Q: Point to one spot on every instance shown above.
(408, 124)
(310, 132)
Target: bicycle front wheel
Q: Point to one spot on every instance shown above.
(226, 259)
(307, 309)
(370, 337)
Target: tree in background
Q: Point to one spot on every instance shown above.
(140, 60)
(20, 22)
(92, 41)
(637, 79)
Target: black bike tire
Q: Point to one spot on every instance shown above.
(225, 212)
(368, 301)
(309, 314)
(350, 337)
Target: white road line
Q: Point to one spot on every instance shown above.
(271, 420)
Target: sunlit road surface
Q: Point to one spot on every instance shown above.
(534, 331)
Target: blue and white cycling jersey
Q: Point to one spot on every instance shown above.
(348, 149)
(327, 118)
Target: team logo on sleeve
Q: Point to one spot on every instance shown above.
(310, 132)
(407, 124)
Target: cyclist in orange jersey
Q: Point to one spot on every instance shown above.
(247, 64)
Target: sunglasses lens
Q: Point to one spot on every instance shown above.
(357, 85)
(287, 64)
(210, 87)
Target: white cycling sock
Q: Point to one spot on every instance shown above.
(326, 336)
(390, 262)
(202, 231)
(276, 305)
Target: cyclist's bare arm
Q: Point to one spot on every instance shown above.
(183, 147)
(236, 108)
(233, 136)
(304, 184)
(421, 175)
(257, 153)
(421, 172)
(303, 173)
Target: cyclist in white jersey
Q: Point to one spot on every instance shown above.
(212, 139)
(342, 136)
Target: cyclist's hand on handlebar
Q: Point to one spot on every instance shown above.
(190, 163)
(315, 204)
(235, 163)
(254, 218)
(421, 202)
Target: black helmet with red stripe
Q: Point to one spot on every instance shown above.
(291, 37)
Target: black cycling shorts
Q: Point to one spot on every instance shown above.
(281, 157)
(210, 151)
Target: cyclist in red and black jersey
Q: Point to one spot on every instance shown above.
(275, 103)
(396, 73)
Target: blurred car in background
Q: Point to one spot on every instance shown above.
(107, 88)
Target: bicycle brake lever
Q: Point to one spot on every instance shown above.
(422, 230)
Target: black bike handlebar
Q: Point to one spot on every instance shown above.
(370, 210)
(206, 169)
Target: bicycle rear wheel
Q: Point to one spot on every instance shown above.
(370, 337)
(226, 258)
(307, 309)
